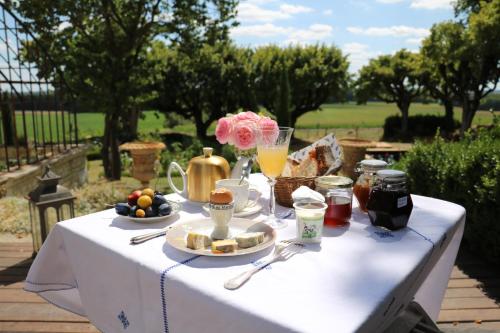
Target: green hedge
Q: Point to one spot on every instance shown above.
(419, 126)
(467, 173)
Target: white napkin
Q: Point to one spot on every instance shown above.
(305, 193)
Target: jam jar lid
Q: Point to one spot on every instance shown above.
(333, 182)
(373, 164)
(391, 176)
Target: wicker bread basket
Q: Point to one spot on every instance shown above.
(286, 185)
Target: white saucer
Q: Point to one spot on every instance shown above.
(247, 211)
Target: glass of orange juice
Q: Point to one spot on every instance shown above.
(272, 152)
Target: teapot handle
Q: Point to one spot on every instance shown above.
(171, 167)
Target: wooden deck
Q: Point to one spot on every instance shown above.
(471, 302)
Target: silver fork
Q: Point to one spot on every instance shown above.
(284, 250)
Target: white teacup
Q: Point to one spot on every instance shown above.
(241, 192)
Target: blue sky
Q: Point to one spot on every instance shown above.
(361, 28)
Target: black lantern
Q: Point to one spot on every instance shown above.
(49, 203)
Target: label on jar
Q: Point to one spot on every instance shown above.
(403, 201)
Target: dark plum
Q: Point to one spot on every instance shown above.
(159, 200)
(165, 209)
(150, 212)
(133, 209)
(122, 208)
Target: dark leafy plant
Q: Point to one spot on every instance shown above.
(466, 173)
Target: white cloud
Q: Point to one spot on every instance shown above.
(294, 9)
(253, 11)
(314, 33)
(358, 55)
(389, 1)
(431, 4)
(259, 30)
(328, 12)
(393, 31)
(248, 12)
(414, 41)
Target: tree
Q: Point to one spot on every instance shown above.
(468, 57)
(393, 79)
(102, 46)
(283, 100)
(207, 86)
(436, 85)
(315, 73)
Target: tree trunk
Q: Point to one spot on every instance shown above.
(201, 127)
(448, 116)
(403, 107)
(110, 153)
(469, 109)
(130, 125)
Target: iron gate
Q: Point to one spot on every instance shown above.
(37, 115)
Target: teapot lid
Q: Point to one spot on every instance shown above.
(208, 159)
(207, 151)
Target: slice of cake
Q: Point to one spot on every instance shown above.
(224, 246)
(249, 239)
(197, 241)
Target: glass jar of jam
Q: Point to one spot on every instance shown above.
(390, 203)
(366, 170)
(324, 184)
(338, 196)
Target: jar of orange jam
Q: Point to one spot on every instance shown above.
(366, 170)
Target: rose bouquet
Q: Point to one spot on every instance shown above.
(242, 130)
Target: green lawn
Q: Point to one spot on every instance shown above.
(348, 115)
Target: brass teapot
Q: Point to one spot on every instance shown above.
(200, 176)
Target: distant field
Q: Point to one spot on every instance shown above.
(349, 116)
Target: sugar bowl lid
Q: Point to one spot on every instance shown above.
(391, 176)
(333, 182)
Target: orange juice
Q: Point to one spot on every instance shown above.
(272, 159)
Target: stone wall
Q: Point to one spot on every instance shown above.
(71, 166)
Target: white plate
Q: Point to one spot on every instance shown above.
(176, 236)
(176, 207)
(247, 211)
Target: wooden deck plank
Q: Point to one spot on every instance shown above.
(15, 254)
(470, 292)
(471, 283)
(470, 315)
(468, 303)
(36, 312)
(10, 262)
(12, 285)
(19, 296)
(46, 327)
(471, 327)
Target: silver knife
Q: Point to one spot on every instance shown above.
(143, 238)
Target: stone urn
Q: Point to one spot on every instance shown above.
(144, 156)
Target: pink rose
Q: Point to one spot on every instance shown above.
(244, 134)
(269, 130)
(223, 130)
(247, 115)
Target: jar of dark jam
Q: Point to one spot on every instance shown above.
(390, 204)
(366, 170)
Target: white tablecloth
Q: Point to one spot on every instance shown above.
(358, 279)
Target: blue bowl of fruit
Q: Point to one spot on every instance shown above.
(147, 206)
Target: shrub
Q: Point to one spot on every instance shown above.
(467, 173)
(419, 126)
